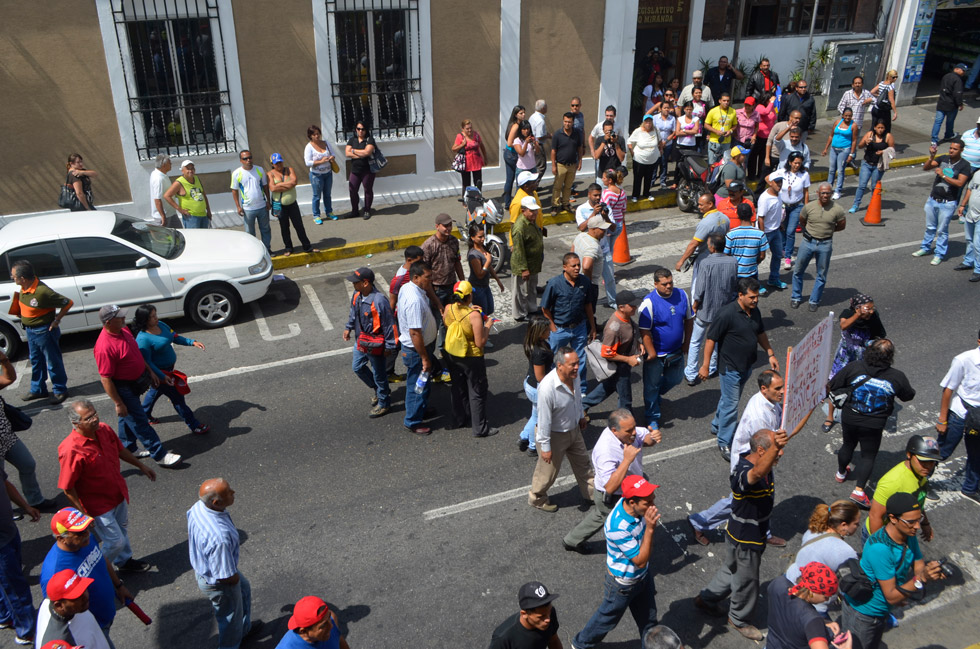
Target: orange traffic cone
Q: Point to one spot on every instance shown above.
(873, 215)
(621, 251)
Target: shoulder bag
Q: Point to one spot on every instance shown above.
(840, 397)
(855, 583)
(18, 420)
(602, 367)
(377, 161)
(459, 160)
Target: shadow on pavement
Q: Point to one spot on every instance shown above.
(220, 418)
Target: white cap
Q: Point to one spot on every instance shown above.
(525, 177)
(597, 221)
(528, 202)
(185, 163)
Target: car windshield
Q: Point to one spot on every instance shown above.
(163, 242)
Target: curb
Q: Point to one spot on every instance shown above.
(400, 242)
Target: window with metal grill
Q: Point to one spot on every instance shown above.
(376, 66)
(176, 76)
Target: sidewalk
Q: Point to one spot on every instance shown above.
(397, 226)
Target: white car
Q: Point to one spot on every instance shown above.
(98, 258)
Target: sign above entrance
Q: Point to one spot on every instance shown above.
(656, 13)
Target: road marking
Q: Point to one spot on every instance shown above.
(317, 307)
(20, 370)
(267, 335)
(231, 336)
(566, 481)
(895, 246)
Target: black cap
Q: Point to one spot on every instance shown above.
(361, 273)
(901, 503)
(534, 594)
(736, 186)
(627, 296)
(744, 211)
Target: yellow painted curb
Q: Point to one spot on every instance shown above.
(400, 242)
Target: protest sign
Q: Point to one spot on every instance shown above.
(807, 372)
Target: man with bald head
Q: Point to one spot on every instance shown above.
(213, 542)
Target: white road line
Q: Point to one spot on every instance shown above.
(267, 335)
(317, 307)
(231, 336)
(895, 246)
(20, 369)
(566, 481)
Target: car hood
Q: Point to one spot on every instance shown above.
(220, 246)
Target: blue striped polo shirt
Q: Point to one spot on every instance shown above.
(744, 243)
(623, 535)
(212, 540)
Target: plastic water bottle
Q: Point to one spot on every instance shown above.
(420, 383)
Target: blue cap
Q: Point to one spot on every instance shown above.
(739, 150)
(274, 158)
(962, 66)
(646, 117)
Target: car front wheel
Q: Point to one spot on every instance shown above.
(213, 306)
(9, 340)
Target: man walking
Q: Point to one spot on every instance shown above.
(441, 252)
(950, 101)
(566, 159)
(90, 477)
(857, 99)
(417, 334)
(535, 626)
(526, 258)
(666, 322)
(720, 123)
(539, 129)
(960, 396)
(747, 245)
(952, 173)
(159, 184)
(312, 626)
(561, 421)
(820, 219)
(770, 217)
(213, 543)
(566, 303)
(250, 189)
(16, 604)
(729, 206)
(36, 305)
(621, 347)
(617, 453)
(121, 369)
(587, 245)
(373, 325)
(736, 331)
(628, 581)
(712, 222)
(715, 287)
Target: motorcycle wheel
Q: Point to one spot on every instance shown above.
(687, 196)
(498, 253)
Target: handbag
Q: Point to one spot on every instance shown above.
(377, 161)
(839, 397)
(971, 423)
(334, 167)
(180, 381)
(18, 420)
(600, 366)
(459, 161)
(277, 206)
(67, 199)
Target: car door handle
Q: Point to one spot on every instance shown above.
(4, 298)
(88, 288)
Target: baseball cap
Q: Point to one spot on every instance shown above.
(61, 644)
(185, 163)
(627, 296)
(361, 273)
(462, 288)
(739, 150)
(528, 202)
(901, 503)
(110, 311)
(67, 584)
(749, 101)
(598, 222)
(70, 519)
(526, 177)
(962, 66)
(308, 611)
(534, 594)
(736, 186)
(274, 158)
(698, 74)
(648, 117)
(443, 219)
(637, 485)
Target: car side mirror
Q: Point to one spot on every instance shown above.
(146, 262)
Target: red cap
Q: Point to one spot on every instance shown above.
(70, 519)
(749, 101)
(636, 485)
(307, 612)
(60, 644)
(67, 584)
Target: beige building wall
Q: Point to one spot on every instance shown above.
(56, 102)
(465, 75)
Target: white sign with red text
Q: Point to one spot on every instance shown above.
(807, 372)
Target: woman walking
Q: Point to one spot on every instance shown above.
(319, 156)
(644, 146)
(80, 180)
(860, 325)
(540, 361)
(282, 188)
(873, 384)
(360, 148)
(885, 108)
(156, 340)
(510, 154)
(842, 143)
(874, 142)
(481, 270)
(467, 366)
(823, 540)
(471, 144)
(794, 194)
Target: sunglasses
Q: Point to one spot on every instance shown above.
(246, 157)
(358, 128)
(576, 105)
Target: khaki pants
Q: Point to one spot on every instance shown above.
(561, 191)
(571, 444)
(525, 294)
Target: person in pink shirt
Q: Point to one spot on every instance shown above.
(757, 152)
(748, 124)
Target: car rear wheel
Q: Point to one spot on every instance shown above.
(213, 306)
(9, 340)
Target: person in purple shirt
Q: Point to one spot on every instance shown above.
(312, 624)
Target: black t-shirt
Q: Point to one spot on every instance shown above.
(873, 324)
(943, 191)
(511, 634)
(793, 623)
(567, 147)
(360, 166)
(736, 335)
(608, 158)
(871, 403)
(539, 356)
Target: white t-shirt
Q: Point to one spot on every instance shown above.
(159, 183)
(585, 245)
(538, 127)
(646, 145)
(84, 629)
(249, 185)
(793, 185)
(963, 377)
(583, 212)
(972, 211)
(770, 212)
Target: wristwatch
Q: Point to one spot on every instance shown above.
(918, 584)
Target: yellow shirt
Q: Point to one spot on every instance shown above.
(721, 121)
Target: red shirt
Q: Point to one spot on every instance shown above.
(729, 209)
(117, 356)
(91, 468)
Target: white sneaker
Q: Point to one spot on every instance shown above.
(836, 196)
(142, 453)
(921, 253)
(936, 260)
(169, 459)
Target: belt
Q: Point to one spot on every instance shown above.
(943, 200)
(43, 324)
(569, 326)
(808, 237)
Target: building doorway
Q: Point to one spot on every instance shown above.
(661, 44)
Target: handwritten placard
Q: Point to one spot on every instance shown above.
(807, 370)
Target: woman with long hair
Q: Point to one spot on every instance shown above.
(527, 148)
(471, 144)
(885, 109)
(80, 180)
(319, 156)
(874, 143)
(540, 361)
(653, 93)
(481, 270)
(360, 148)
(156, 340)
(794, 194)
(860, 325)
(467, 366)
(517, 115)
(842, 143)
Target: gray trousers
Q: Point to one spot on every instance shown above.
(525, 294)
(866, 631)
(738, 577)
(592, 523)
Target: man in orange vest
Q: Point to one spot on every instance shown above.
(36, 305)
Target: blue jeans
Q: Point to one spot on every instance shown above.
(838, 159)
(972, 256)
(135, 425)
(608, 244)
(510, 164)
(110, 527)
(660, 166)
(576, 339)
(415, 403)
(232, 604)
(531, 392)
(196, 222)
(716, 151)
(176, 398)
(45, 355)
(375, 376)
(726, 416)
(698, 334)
(618, 382)
(788, 229)
(938, 216)
(950, 117)
(16, 605)
(713, 516)
(23, 461)
(775, 239)
(659, 376)
(821, 250)
(322, 185)
(640, 598)
(483, 298)
(868, 172)
(954, 433)
(262, 216)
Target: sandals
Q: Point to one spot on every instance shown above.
(827, 425)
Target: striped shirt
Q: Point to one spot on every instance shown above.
(745, 243)
(212, 540)
(752, 506)
(623, 536)
(616, 203)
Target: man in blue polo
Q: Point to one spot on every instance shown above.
(665, 324)
(567, 306)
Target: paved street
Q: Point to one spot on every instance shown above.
(424, 541)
